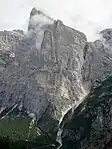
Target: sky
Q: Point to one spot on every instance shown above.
(88, 16)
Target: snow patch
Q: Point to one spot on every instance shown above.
(12, 55)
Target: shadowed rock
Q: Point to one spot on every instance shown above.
(91, 124)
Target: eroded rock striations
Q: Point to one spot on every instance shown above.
(49, 69)
(45, 75)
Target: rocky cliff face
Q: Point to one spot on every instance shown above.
(98, 63)
(49, 69)
(45, 75)
(91, 124)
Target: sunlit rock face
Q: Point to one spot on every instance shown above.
(91, 124)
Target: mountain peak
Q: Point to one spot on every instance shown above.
(33, 12)
(106, 34)
(38, 17)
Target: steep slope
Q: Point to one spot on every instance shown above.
(91, 124)
(98, 61)
(45, 77)
(8, 43)
(49, 70)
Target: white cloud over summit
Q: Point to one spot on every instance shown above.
(89, 16)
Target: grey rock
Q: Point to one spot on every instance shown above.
(98, 63)
(48, 68)
(8, 44)
(45, 76)
(91, 124)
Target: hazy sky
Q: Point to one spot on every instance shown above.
(90, 16)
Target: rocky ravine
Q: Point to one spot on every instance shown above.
(49, 69)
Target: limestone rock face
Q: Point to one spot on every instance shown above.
(97, 60)
(8, 44)
(47, 70)
(91, 124)
(45, 75)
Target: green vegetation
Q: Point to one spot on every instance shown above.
(91, 119)
(7, 143)
(16, 128)
(21, 133)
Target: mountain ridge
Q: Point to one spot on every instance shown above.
(50, 69)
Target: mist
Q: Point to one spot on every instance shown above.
(88, 16)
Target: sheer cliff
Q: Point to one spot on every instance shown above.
(44, 77)
(49, 70)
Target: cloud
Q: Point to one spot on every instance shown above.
(89, 16)
(39, 22)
